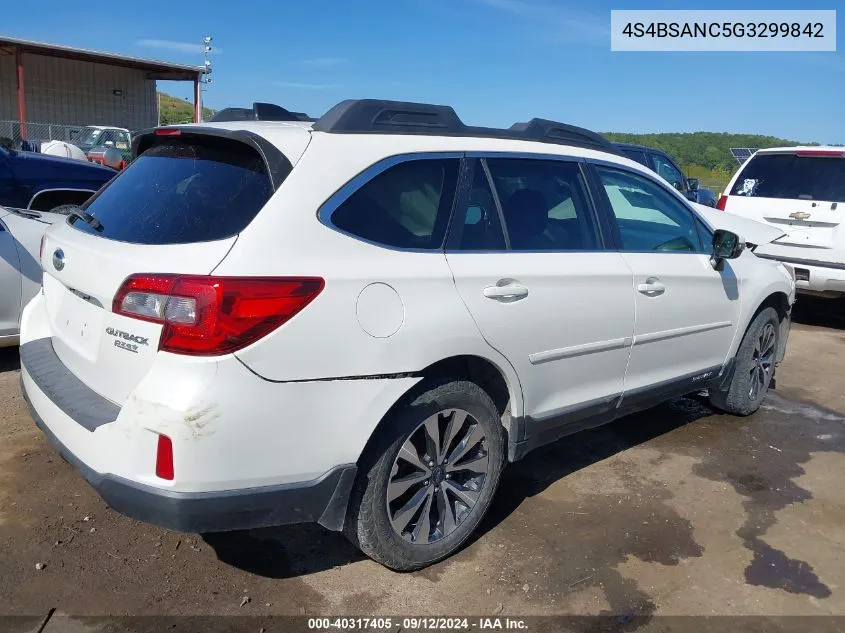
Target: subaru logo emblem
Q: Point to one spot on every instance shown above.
(58, 259)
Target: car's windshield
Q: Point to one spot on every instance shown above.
(88, 136)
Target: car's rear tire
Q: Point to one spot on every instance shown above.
(754, 367)
(418, 499)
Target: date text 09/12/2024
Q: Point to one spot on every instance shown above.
(418, 624)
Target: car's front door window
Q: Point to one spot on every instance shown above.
(666, 170)
(649, 217)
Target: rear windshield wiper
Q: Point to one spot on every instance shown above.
(25, 213)
(90, 220)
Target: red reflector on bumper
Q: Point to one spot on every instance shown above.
(164, 458)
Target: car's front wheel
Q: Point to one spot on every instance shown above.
(754, 367)
(430, 478)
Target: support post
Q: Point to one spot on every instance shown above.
(21, 96)
(197, 101)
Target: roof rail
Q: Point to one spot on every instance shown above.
(548, 131)
(374, 116)
(259, 112)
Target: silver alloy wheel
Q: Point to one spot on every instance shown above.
(437, 477)
(762, 361)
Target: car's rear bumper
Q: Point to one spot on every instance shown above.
(813, 276)
(246, 452)
(321, 500)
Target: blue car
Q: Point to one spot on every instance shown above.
(30, 180)
(660, 162)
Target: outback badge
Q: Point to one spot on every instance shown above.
(127, 341)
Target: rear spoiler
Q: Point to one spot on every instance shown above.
(277, 164)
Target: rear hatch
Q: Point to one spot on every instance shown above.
(177, 209)
(798, 190)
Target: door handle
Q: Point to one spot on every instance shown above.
(652, 287)
(507, 292)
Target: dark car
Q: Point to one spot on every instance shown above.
(660, 162)
(31, 180)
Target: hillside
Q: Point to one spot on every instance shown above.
(705, 155)
(175, 110)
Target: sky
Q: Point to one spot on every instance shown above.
(494, 61)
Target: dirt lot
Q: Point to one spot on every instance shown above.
(673, 511)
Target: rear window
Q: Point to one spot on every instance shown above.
(637, 155)
(407, 206)
(179, 192)
(793, 177)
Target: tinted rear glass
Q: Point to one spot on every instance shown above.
(180, 192)
(406, 206)
(794, 177)
(637, 155)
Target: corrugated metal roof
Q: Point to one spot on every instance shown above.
(157, 69)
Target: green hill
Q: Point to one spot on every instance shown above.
(704, 155)
(175, 110)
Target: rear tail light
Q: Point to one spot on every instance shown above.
(164, 458)
(722, 202)
(208, 316)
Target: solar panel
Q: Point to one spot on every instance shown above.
(742, 154)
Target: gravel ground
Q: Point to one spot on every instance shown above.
(674, 511)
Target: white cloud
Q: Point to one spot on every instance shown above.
(176, 47)
(305, 86)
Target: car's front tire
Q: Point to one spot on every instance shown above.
(754, 367)
(429, 478)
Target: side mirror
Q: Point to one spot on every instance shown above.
(726, 245)
(693, 184)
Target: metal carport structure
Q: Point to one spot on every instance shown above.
(63, 85)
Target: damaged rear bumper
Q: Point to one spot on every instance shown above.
(321, 500)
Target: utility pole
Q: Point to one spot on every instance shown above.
(205, 79)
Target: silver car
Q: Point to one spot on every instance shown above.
(20, 271)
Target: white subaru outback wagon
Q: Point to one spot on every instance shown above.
(358, 321)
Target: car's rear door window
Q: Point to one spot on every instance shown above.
(637, 155)
(545, 204)
(478, 220)
(794, 177)
(182, 191)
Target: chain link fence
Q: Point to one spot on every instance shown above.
(714, 185)
(40, 131)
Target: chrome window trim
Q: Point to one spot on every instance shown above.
(529, 155)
